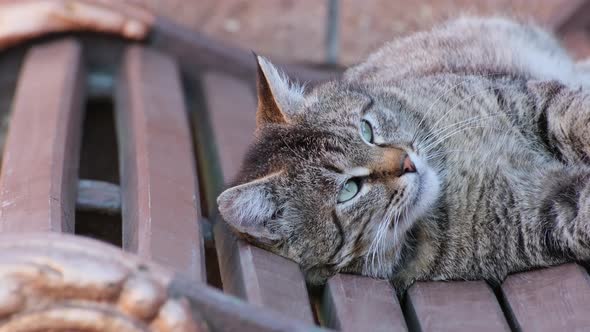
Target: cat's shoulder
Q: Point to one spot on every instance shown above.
(469, 45)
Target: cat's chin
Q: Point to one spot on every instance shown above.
(424, 186)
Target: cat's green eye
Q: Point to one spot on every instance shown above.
(350, 189)
(367, 131)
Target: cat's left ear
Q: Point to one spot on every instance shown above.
(277, 95)
(249, 209)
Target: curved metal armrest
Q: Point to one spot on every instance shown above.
(25, 19)
(51, 281)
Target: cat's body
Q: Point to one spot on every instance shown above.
(496, 119)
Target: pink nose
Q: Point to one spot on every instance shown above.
(408, 166)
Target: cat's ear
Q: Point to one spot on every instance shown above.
(249, 209)
(277, 96)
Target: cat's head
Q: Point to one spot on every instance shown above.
(332, 180)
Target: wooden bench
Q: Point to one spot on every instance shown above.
(129, 143)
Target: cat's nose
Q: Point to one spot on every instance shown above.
(408, 165)
(391, 162)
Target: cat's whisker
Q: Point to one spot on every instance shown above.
(449, 135)
(391, 216)
(395, 230)
(373, 257)
(451, 109)
(440, 153)
(370, 255)
(438, 98)
(398, 245)
(441, 131)
(380, 233)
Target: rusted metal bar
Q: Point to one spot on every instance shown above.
(98, 196)
(40, 163)
(251, 273)
(226, 313)
(184, 44)
(26, 19)
(62, 282)
(355, 303)
(159, 188)
(553, 299)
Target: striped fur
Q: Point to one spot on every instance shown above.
(496, 118)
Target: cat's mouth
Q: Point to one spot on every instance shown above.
(421, 190)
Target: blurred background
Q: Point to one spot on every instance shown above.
(336, 31)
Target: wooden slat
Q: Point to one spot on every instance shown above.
(554, 299)
(573, 14)
(40, 164)
(355, 303)
(577, 42)
(454, 306)
(160, 199)
(246, 271)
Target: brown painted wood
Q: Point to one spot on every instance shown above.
(572, 15)
(231, 106)
(577, 42)
(553, 299)
(10, 67)
(40, 163)
(159, 189)
(454, 306)
(246, 271)
(355, 303)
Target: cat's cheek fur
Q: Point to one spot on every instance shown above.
(428, 190)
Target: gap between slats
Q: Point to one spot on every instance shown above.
(246, 271)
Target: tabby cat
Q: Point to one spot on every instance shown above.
(458, 153)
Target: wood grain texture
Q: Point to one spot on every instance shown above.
(40, 163)
(454, 306)
(355, 303)
(253, 274)
(553, 299)
(160, 198)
